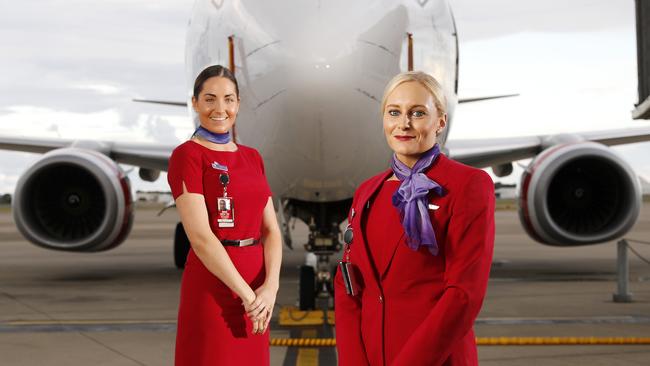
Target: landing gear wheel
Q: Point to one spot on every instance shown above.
(307, 288)
(181, 246)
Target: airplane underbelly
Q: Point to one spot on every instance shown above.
(318, 143)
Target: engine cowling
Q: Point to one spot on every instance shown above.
(74, 199)
(578, 193)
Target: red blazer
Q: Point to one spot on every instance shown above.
(420, 309)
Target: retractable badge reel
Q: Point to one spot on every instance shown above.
(345, 266)
(225, 209)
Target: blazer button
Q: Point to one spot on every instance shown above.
(381, 299)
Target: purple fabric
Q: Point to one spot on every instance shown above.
(411, 200)
(217, 138)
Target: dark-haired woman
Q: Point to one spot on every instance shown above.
(232, 270)
(422, 238)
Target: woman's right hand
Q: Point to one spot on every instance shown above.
(259, 324)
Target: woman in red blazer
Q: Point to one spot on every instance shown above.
(420, 238)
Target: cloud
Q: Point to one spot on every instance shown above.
(105, 125)
(104, 89)
(489, 19)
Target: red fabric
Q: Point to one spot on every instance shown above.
(382, 226)
(416, 308)
(212, 326)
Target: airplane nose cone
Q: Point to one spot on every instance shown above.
(322, 88)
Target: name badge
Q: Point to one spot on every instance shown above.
(225, 209)
(225, 212)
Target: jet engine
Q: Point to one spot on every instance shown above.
(578, 193)
(74, 199)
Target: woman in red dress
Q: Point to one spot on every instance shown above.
(232, 271)
(420, 244)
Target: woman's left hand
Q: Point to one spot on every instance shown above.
(262, 307)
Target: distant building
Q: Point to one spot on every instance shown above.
(153, 196)
(505, 191)
(5, 199)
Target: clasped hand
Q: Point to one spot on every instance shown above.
(261, 309)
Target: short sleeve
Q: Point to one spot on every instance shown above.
(185, 167)
(261, 164)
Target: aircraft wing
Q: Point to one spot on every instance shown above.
(483, 153)
(144, 155)
(479, 153)
(152, 156)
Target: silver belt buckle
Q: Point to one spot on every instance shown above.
(246, 242)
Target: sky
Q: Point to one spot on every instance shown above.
(71, 69)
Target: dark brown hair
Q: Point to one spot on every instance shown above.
(212, 71)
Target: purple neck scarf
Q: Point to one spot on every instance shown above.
(217, 138)
(411, 201)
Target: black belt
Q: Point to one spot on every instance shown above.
(240, 243)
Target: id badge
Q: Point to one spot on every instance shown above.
(346, 273)
(225, 212)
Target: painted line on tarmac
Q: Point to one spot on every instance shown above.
(565, 320)
(98, 328)
(307, 356)
(561, 341)
(312, 346)
(87, 322)
(54, 326)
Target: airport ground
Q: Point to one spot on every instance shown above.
(119, 307)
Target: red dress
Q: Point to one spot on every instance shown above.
(213, 328)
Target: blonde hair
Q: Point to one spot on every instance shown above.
(426, 80)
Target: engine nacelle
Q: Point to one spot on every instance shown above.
(74, 200)
(578, 193)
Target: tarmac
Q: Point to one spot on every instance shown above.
(119, 307)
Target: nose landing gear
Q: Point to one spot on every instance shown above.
(316, 279)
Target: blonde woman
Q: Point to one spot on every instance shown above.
(414, 274)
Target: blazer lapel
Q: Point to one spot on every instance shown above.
(393, 250)
(363, 207)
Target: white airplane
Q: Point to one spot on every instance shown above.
(311, 76)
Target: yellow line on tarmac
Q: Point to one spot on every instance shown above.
(291, 315)
(559, 341)
(489, 341)
(303, 342)
(307, 356)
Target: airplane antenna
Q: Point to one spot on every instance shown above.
(231, 53)
(231, 66)
(410, 51)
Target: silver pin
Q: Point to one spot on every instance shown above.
(433, 207)
(218, 166)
